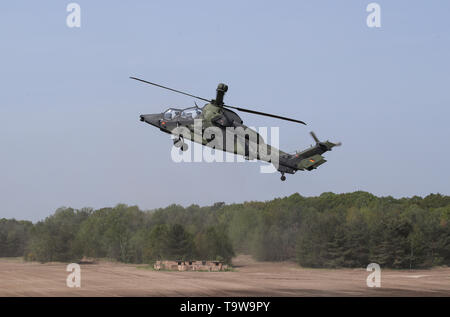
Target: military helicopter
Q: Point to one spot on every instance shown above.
(244, 141)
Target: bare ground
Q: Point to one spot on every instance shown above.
(250, 278)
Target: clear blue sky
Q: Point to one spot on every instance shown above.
(69, 116)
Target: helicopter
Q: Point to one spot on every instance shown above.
(227, 125)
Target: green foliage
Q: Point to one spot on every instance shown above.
(117, 233)
(53, 239)
(404, 233)
(155, 244)
(14, 236)
(180, 244)
(213, 244)
(331, 230)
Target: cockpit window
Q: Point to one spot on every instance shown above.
(171, 113)
(191, 113)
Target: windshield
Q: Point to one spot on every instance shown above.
(171, 113)
(191, 113)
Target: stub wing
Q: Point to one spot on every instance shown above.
(311, 162)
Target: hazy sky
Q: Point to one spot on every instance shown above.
(70, 133)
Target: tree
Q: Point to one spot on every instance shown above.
(14, 237)
(180, 243)
(53, 239)
(213, 244)
(332, 230)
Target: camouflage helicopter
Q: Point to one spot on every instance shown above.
(244, 141)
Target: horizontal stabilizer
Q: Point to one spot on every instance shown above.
(311, 162)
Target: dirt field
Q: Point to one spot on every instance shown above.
(250, 278)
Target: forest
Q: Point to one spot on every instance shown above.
(327, 231)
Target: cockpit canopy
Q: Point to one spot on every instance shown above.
(192, 112)
(172, 113)
(188, 113)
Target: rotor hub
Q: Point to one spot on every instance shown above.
(220, 93)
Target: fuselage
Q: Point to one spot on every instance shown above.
(222, 129)
(205, 125)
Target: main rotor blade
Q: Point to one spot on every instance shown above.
(180, 92)
(265, 114)
(207, 100)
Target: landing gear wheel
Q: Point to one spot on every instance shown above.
(177, 143)
(283, 178)
(184, 147)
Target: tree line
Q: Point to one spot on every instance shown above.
(331, 230)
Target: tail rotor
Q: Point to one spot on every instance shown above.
(327, 145)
